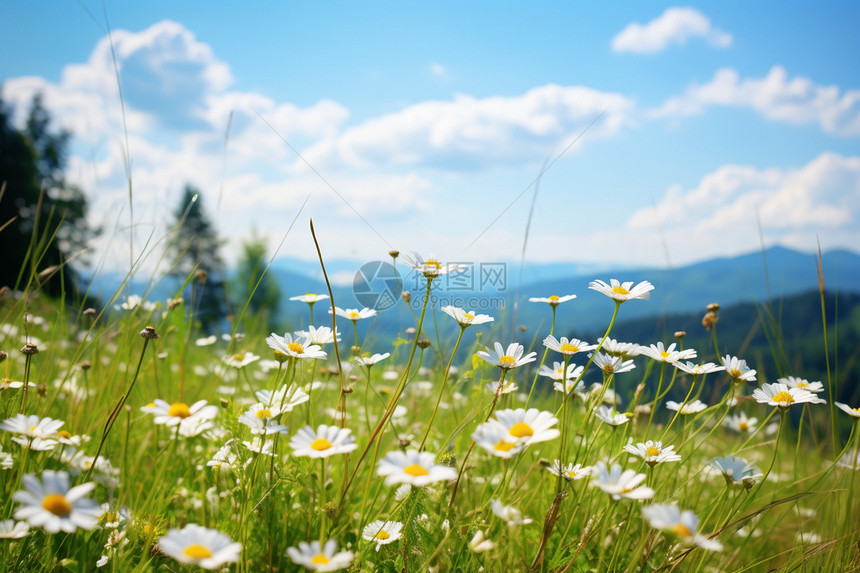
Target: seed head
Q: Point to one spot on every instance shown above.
(149, 333)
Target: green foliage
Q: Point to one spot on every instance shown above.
(253, 285)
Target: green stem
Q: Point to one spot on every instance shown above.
(442, 387)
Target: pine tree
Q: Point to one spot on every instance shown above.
(42, 216)
(196, 250)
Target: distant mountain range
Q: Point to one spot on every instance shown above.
(771, 274)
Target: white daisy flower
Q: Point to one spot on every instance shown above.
(466, 318)
(197, 545)
(324, 442)
(619, 483)
(39, 433)
(613, 364)
(224, 459)
(318, 557)
(567, 346)
(681, 523)
(207, 341)
(802, 384)
(259, 447)
(431, 267)
(512, 357)
(285, 398)
(615, 348)
(371, 360)
(738, 369)
(610, 416)
(553, 300)
(318, 335)
(240, 359)
(849, 460)
(480, 543)
(309, 298)
(698, 369)
(495, 439)
(527, 426)
(609, 395)
(6, 460)
(570, 472)
(180, 413)
(508, 387)
(262, 419)
(557, 371)
(52, 505)
(737, 471)
(668, 355)
(570, 385)
(693, 407)
(413, 467)
(621, 292)
(653, 452)
(354, 314)
(510, 515)
(780, 395)
(382, 532)
(853, 412)
(298, 347)
(740, 423)
(11, 529)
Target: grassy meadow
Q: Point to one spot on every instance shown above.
(133, 441)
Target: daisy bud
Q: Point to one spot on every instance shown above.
(404, 443)
(225, 403)
(353, 378)
(356, 350)
(410, 330)
(3, 292)
(3, 356)
(149, 333)
(42, 390)
(90, 312)
(161, 355)
(713, 307)
(680, 334)
(423, 343)
(172, 303)
(447, 459)
(85, 365)
(201, 276)
(348, 389)
(30, 349)
(523, 328)
(406, 296)
(394, 254)
(709, 320)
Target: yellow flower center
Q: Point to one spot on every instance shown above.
(682, 531)
(469, 317)
(803, 384)
(197, 552)
(569, 347)
(620, 290)
(151, 405)
(320, 444)
(784, 397)
(521, 430)
(554, 298)
(319, 559)
(664, 355)
(310, 295)
(239, 357)
(857, 410)
(415, 470)
(571, 474)
(64, 434)
(508, 360)
(382, 535)
(503, 446)
(744, 426)
(179, 410)
(652, 451)
(433, 263)
(32, 428)
(57, 504)
(296, 347)
(264, 413)
(354, 315)
(735, 373)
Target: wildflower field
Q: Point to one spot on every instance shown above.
(132, 441)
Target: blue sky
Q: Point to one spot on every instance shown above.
(707, 121)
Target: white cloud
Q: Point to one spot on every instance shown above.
(722, 213)
(469, 133)
(777, 97)
(674, 26)
(438, 69)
